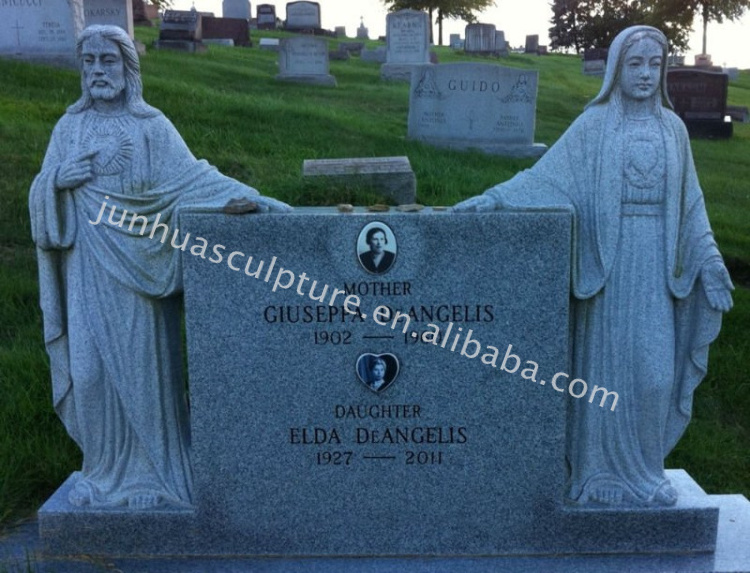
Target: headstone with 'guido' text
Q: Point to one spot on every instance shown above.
(475, 106)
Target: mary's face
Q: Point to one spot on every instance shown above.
(641, 73)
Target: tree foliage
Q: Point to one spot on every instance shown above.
(442, 9)
(583, 24)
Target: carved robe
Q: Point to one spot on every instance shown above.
(641, 323)
(111, 317)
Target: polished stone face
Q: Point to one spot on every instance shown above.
(103, 68)
(641, 70)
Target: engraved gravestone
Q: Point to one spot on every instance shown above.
(480, 38)
(407, 44)
(302, 15)
(475, 106)
(266, 16)
(115, 12)
(181, 30)
(41, 30)
(304, 59)
(699, 97)
(236, 9)
(595, 61)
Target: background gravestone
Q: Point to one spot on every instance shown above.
(304, 59)
(41, 30)
(501, 46)
(699, 97)
(475, 106)
(532, 44)
(362, 32)
(595, 61)
(236, 9)
(480, 39)
(235, 29)
(106, 12)
(407, 44)
(181, 30)
(266, 16)
(302, 16)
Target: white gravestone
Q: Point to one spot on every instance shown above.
(236, 9)
(304, 59)
(407, 44)
(302, 15)
(475, 106)
(41, 30)
(114, 12)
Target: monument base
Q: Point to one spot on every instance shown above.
(318, 80)
(398, 72)
(180, 45)
(690, 527)
(502, 149)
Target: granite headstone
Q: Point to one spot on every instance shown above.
(475, 106)
(532, 44)
(452, 418)
(480, 38)
(115, 12)
(392, 177)
(236, 9)
(41, 30)
(595, 61)
(699, 97)
(266, 16)
(181, 30)
(407, 44)
(377, 55)
(501, 46)
(362, 32)
(304, 59)
(303, 15)
(235, 29)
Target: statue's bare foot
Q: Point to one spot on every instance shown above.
(78, 498)
(665, 495)
(143, 501)
(607, 493)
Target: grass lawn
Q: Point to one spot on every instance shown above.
(229, 110)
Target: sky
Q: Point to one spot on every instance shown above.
(728, 43)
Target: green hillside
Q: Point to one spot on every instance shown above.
(231, 111)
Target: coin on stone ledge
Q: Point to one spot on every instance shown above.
(378, 208)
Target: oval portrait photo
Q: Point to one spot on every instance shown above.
(376, 248)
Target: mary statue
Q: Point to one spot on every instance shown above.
(648, 282)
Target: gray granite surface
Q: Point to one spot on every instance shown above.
(114, 12)
(393, 177)
(407, 44)
(304, 59)
(475, 106)
(41, 31)
(302, 15)
(236, 9)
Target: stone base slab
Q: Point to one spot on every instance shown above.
(689, 527)
(504, 150)
(398, 72)
(321, 80)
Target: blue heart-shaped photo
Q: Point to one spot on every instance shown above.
(377, 371)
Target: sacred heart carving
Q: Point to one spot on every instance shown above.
(377, 371)
(113, 145)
